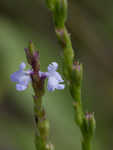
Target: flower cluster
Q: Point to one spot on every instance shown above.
(22, 77)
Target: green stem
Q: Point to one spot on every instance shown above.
(73, 71)
(64, 39)
(86, 145)
(42, 126)
(41, 122)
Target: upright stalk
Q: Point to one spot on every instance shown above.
(41, 122)
(73, 71)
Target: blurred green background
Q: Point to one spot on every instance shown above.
(90, 23)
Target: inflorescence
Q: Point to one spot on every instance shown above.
(23, 78)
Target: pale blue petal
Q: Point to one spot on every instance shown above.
(25, 80)
(20, 87)
(52, 82)
(57, 76)
(14, 77)
(55, 65)
(51, 89)
(22, 66)
(21, 77)
(52, 67)
(60, 86)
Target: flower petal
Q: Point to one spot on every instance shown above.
(57, 76)
(21, 77)
(52, 67)
(52, 83)
(14, 77)
(24, 79)
(20, 87)
(22, 66)
(60, 86)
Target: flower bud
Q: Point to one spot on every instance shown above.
(50, 4)
(77, 73)
(60, 13)
(91, 123)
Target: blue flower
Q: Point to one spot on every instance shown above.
(21, 77)
(54, 78)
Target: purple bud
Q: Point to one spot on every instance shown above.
(76, 65)
(89, 115)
